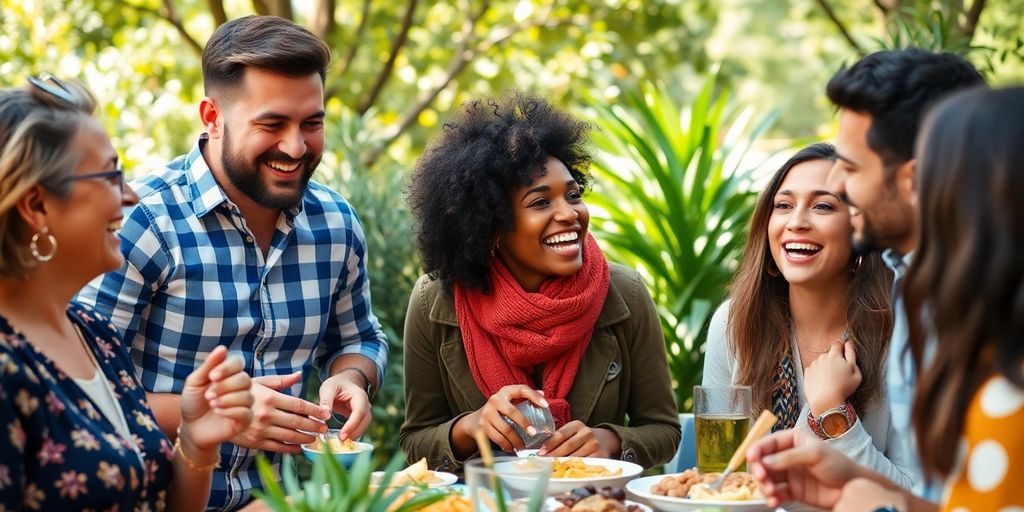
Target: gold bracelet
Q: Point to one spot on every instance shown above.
(201, 468)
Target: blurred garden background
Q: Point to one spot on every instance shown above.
(692, 101)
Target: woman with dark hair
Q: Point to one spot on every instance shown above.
(519, 303)
(808, 322)
(965, 291)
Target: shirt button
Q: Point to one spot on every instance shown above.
(248, 238)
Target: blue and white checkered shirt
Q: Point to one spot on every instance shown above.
(195, 278)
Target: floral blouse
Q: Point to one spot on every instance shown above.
(57, 451)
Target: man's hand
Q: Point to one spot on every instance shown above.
(277, 417)
(795, 465)
(864, 494)
(832, 378)
(575, 439)
(347, 398)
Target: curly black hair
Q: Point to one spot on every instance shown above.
(459, 189)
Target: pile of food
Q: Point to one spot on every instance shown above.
(451, 503)
(335, 445)
(590, 499)
(575, 467)
(739, 486)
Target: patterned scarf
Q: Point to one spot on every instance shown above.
(509, 331)
(785, 398)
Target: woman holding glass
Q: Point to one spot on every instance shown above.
(808, 322)
(519, 303)
(77, 433)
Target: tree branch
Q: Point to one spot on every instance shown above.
(357, 39)
(171, 16)
(389, 66)
(971, 23)
(839, 25)
(260, 6)
(220, 16)
(323, 23)
(282, 8)
(882, 7)
(463, 56)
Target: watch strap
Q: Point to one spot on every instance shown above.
(368, 384)
(816, 423)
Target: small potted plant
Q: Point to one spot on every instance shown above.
(332, 488)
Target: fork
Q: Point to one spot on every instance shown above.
(764, 423)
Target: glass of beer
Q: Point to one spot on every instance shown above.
(721, 422)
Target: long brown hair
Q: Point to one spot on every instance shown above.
(966, 281)
(759, 314)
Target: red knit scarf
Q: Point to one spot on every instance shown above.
(509, 331)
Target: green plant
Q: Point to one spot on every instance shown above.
(672, 201)
(332, 488)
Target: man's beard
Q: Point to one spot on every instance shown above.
(245, 176)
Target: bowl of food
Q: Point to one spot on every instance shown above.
(570, 472)
(344, 451)
(416, 475)
(688, 490)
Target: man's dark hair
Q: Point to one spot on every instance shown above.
(895, 88)
(265, 42)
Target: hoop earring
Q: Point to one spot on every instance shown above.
(33, 246)
(857, 263)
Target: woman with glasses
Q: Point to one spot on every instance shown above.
(75, 430)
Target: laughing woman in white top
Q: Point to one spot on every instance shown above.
(808, 322)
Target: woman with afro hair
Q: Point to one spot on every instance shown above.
(518, 302)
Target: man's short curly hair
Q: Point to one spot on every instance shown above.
(459, 190)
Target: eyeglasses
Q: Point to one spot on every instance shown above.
(53, 86)
(115, 177)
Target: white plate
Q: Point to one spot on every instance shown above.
(552, 504)
(641, 490)
(447, 479)
(560, 485)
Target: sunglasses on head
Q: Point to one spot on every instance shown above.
(52, 86)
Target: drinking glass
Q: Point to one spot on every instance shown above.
(540, 418)
(722, 419)
(518, 484)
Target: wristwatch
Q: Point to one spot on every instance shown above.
(369, 388)
(833, 422)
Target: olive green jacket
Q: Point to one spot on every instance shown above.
(624, 374)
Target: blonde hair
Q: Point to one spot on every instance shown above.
(36, 130)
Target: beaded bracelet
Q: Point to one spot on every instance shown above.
(201, 468)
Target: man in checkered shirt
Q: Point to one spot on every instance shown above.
(232, 244)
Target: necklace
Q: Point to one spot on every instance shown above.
(843, 339)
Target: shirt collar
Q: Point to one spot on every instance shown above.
(206, 193)
(896, 261)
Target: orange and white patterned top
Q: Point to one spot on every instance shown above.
(990, 471)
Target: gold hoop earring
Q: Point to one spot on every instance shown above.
(33, 246)
(857, 263)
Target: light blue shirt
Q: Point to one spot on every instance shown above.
(901, 377)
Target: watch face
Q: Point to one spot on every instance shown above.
(835, 424)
